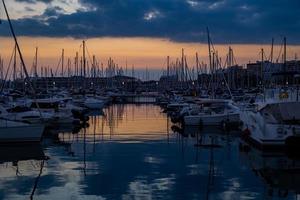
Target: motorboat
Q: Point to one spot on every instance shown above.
(26, 114)
(274, 124)
(62, 114)
(211, 112)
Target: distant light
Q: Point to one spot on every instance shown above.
(123, 83)
(156, 83)
(287, 82)
(92, 83)
(193, 83)
(53, 82)
(25, 83)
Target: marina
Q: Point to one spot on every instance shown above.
(96, 111)
(114, 159)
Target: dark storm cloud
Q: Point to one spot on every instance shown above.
(230, 21)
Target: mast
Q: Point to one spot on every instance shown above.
(168, 66)
(35, 63)
(76, 65)
(284, 60)
(18, 47)
(15, 64)
(197, 63)
(62, 62)
(84, 59)
(182, 65)
(272, 51)
(209, 47)
(94, 67)
(262, 67)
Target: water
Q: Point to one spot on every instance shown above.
(132, 153)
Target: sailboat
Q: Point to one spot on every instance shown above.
(12, 131)
(212, 112)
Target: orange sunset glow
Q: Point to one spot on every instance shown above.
(139, 52)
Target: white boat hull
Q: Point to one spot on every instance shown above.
(26, 133)
(266, 134)
(211, 120)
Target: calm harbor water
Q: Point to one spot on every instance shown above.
(134, 152)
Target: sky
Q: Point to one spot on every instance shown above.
(145, 32)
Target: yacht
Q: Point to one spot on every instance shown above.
(12, 131)
(26, 114)
(211, 112)
(62, 113)
(273, 124)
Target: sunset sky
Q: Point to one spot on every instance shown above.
(145, 32)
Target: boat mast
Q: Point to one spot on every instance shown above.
(18, 47)
(15, 64)
(209, 47)
(262, 67)
(36, 63)
(21, 56)
(84, 63)
(62, 62)
(284, 60)
(272, 51)
(168, 66)
(182, 66)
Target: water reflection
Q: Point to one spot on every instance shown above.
(280, 173)
(21, 167)
(134, 152)
(127, 123)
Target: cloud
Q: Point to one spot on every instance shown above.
(230, 21)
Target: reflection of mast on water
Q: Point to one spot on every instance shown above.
(133, 109)
(84, 151)
(114, 116)
(211, 171)
(102, 127)
(94, 134)
(168, 130)
(147, 112)
(37, 179)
